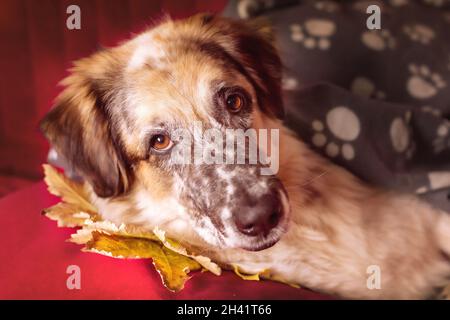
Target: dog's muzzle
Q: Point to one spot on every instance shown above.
(262, 219)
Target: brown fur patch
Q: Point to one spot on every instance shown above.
(154, 179)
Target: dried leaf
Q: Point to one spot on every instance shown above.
(267, 274)
(170, 258)
(252, 277)
(177, 247)
(172, 267)
(121, 246)
(264, 274)
(67, 215)
(84, 235)
(70, 192)
(125, 241)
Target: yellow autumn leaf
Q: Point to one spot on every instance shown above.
(67, 215)
(171, 259)
(125, 241)
(84, 235)
(264, 274)
(70, 192)
(120, 246)
(267, 274)
(177, 247)
(252, 277)
(173, 267)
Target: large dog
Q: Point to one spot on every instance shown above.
(312, 223)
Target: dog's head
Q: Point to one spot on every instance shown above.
(117, 120)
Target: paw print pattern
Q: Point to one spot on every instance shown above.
(436, 180)
(315, 33)
(398, 3)
(327, 6)
(378, 40)
(439, 179)
(435, 112)
(401, 136)
(246, 8)
(344, 126)
(435, 3)
(422, 83)
(289, 83)
(422, 189)
(419, 33)
(361, 6)
(442, 141)
(364, 87)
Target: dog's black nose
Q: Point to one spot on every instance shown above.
(260, 217)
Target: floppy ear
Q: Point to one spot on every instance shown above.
(262, 58)
(254, 48)
(79, 127)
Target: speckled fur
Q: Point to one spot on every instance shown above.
(338, 226)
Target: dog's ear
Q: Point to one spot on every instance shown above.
(255, 49)
(79, 126)
(261, 57)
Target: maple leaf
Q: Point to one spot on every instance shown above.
(176, 247)
(263, 274)
(171, 259)
(173, 267)
(67, 215)
(244, 276)
(70, 192)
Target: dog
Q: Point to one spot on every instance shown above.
(312, 223)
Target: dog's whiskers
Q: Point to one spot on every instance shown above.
(308, 182)
(316, 177)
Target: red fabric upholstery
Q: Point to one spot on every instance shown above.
(36, 51)
(11, 183)
(34, 259)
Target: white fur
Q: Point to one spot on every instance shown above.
(147, 50)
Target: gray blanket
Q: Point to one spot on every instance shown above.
(374, 101)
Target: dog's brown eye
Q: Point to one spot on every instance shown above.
(161, 142)
(235, 102)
